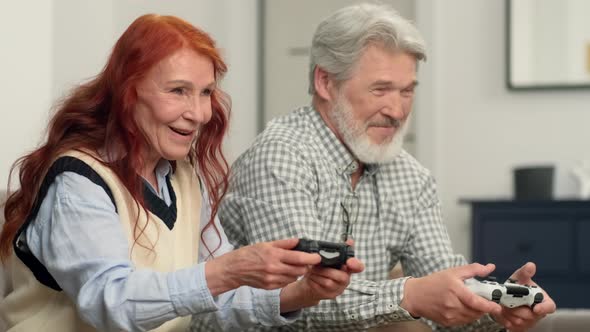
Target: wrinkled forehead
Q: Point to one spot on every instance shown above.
(185, 64)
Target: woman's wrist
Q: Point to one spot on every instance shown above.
(296, 296)
(218, 281)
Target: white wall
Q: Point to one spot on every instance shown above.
(478, 130)
(25, 79)
(47, 50)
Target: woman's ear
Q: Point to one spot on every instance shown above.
(323, 83)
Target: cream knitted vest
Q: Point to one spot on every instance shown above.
(32, 306)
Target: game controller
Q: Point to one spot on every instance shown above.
(487, 288)
(509, 294)
(517, 295)
(333, 254)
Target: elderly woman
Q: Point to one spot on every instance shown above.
(114, 226)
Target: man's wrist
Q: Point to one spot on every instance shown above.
(406, 302)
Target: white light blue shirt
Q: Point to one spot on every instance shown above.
(78, 237)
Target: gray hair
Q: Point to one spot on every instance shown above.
(341, 38)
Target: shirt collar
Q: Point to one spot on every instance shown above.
(163, 168)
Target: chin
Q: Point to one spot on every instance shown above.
(370, 152)
(380, 142)
(176, 155)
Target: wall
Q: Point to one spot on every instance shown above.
(25, 80)
(471, 129)
(62, 42)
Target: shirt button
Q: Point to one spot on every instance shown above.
(395, 316)
(353, 316)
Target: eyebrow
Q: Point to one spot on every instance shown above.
(378, 83)
(189, 83)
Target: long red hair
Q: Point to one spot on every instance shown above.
(98, 115)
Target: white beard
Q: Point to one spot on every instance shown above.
(354, 134)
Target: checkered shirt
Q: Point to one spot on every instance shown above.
(291, 183)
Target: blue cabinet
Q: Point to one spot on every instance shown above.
(553, 234)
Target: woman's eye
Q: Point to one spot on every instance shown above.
(207, 92)
(178, 91)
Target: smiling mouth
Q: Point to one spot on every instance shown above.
(181, 131)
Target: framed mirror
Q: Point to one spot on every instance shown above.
(548, 44)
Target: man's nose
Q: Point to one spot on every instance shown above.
(394, 107)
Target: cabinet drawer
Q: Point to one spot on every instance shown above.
(511, 243)
(583, 234)
(566, 293)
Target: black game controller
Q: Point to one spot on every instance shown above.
(333, 254)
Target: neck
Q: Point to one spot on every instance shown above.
(149, 171)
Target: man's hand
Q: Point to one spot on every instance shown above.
(443, 297)
(522, 318)
(319, 283)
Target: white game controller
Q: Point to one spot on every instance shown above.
(517, 295)
(487, 288)
(510, 294)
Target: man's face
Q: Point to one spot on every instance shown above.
(371, 111)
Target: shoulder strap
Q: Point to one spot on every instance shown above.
(21, 249)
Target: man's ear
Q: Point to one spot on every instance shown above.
(323, 84)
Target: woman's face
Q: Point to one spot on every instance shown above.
(173, 102)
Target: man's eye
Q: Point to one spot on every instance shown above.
(379, 91)
(408, 92)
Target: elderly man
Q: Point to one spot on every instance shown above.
(336, 170)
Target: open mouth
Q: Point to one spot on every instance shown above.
(181, 131)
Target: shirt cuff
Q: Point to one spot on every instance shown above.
(381, 305)
(389, 302)
(267, 308)
(189, 292)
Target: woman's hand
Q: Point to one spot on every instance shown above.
(266, 265)
(318, 284)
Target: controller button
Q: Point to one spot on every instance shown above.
(496, 295)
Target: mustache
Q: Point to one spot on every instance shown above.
(386, 122)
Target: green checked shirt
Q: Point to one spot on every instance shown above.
(295, 181)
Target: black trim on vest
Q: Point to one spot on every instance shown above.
(158, 207)
(153, 203)
(21, 249)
